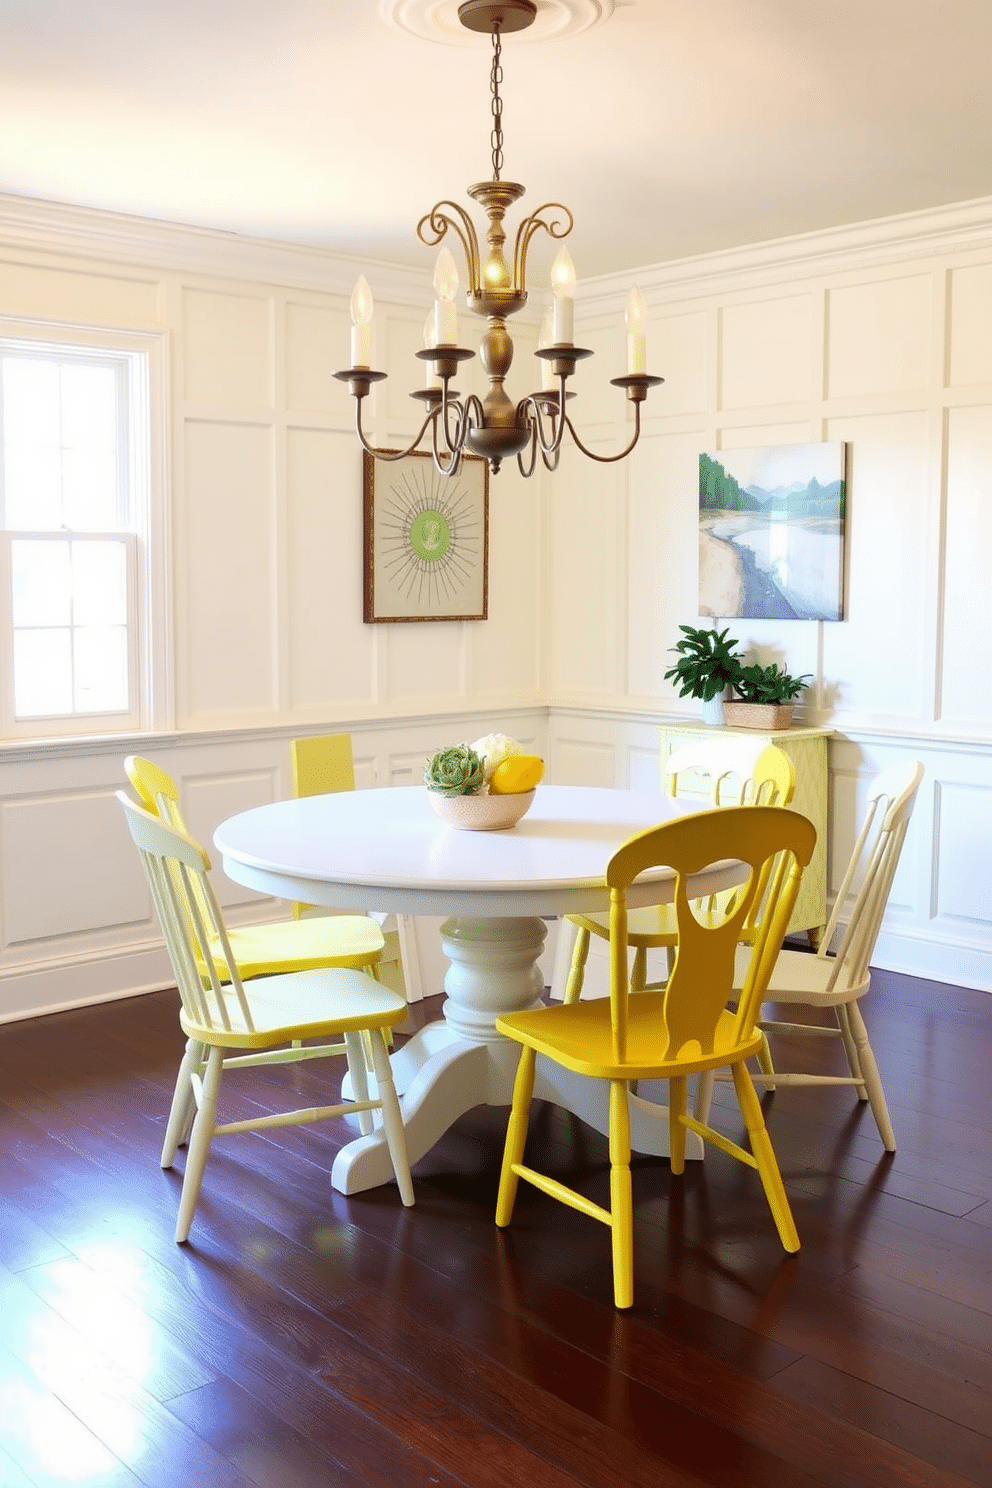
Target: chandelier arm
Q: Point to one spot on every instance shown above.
(434, 224)
(527, 470)
(533, 403)
(551, 461)
(454, 455)
(380, 454)
(555, 228)
(608, 459)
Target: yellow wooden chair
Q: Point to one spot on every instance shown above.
(683, 1030)
(737, 772)
(836, 983)
(321, 765)
(280, 945)
(232, 1024)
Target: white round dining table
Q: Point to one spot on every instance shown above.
(387, 850)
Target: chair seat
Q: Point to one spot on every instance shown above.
(307, 1004)
(302, 945)
(579, 1036)
(801, 977)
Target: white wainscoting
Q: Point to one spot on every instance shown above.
(76, 923)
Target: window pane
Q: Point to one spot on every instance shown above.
(42, 673)
(99, 583)
(31, 400)
(101, 669)
(89, 489)
(41, 582)
(33, 486)
(89, 406)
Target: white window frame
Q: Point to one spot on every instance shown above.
(142, 358)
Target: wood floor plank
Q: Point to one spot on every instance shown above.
(305, 1337)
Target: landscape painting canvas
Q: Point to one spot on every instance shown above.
(771, 532)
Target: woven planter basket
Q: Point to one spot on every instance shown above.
(764, 716)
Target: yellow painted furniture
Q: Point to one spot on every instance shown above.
(807, 748)
(321, 765)
(734, 772)
(282, 945)
(837, 983)
(231, 1024)
(685, 1029)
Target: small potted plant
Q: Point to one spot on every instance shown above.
(765, 697)
(708, 665)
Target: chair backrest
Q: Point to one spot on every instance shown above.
(156, 790)
(177, 869)
(322, 764)
(776, 845)
(742, 772)
(159, 795)
(873, 864)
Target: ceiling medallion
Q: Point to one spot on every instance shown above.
(494, 427)
(438, 20)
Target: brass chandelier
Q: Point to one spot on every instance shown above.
(494, 427)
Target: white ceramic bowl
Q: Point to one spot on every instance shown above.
(482, 813)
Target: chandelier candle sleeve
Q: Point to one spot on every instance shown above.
(445, 309)
(361, 330)
(563, 284)
(545, 339)
(430, 341)
(637, 361)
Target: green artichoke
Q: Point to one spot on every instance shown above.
(455, 771)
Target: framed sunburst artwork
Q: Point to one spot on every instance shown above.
(426, 540)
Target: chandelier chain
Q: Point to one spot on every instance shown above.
(496, 77)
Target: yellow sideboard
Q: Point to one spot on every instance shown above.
(807, 749)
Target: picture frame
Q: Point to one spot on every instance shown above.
(426, 540)
(772, 532)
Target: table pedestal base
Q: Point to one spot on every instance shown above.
(449, 1067)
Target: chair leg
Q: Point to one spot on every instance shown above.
(676, 1131)
(764, 1156)
(516, 1135)
(765, 1061)
(199, 1142)
(359, 1046)
(577, 970)
(392, 1116)
(621, 1198)
(704, 1096)
(871, 1077)
(850, 1046)
(183, 1106)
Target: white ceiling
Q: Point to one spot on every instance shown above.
(673, 127)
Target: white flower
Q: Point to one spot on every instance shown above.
(493, 748)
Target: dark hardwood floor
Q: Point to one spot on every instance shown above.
(303, 1338)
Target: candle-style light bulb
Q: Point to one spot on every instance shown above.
(430, 341)
(445, 288)
(563, 285)
(546, 338)
(361, 331)
(635, 316)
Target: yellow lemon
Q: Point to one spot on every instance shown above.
(517, 773)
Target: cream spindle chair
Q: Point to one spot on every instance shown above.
(231, 1024)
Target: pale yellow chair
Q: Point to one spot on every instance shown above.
(685, 1029)
(734, 772)
(321, 765)
(233, 1025)
(837, 983)
(354, 941)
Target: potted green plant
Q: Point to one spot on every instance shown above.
(707, 666)
(764, 697)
